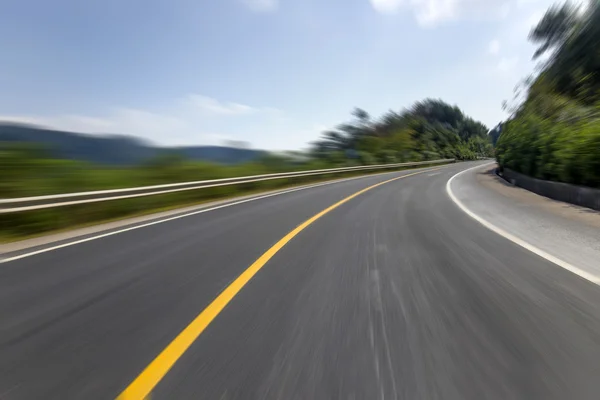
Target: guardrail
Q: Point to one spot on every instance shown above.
(59, 200)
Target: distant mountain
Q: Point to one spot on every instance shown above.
(220, 154)
(115, 149)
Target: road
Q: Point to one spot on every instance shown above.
(394, 294)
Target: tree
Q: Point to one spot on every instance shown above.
(370, 144)
(554, 28)
(573, 68)
(362, 116)
(555, 133)
(429, 129)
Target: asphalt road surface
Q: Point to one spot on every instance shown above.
(394, 294)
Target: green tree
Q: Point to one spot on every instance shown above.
(554, 28)
(428, 129)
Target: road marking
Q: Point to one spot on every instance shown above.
(561, 263)
(204, 210)
(143, 385)
(434, 174)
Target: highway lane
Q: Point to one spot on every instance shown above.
(398, 294)
(83, 321)
(394, 294)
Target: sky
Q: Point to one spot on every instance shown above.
(272, 73)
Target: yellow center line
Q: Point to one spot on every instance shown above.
(141, 387)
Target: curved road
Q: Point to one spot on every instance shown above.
(394, 294)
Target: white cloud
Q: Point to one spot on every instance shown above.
(261, 5)
(215, 107)
(433, 12)
(194, 119)
(387, 6)
(497, 67)
(153, 126)
(190, 120)
(494, 47)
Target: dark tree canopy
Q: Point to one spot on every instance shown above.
(554, 28)
(427, 130)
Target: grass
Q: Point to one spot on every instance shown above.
(33, 224)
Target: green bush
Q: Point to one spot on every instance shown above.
(25, 171)
(564, 147)
(555, 133)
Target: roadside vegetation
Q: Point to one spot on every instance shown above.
(554, 134)
(430, 130)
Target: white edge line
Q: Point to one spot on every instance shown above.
(103, 235)
(203, 184)
(578, 271)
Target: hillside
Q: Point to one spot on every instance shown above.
(115, 149)
(555, 133)
(429, 129)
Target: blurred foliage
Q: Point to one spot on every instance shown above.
(29, 170)
(555, 133)
(430, 129)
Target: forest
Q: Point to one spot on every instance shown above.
(429, 130)
(554, 134)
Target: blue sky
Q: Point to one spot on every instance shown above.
(274, 73)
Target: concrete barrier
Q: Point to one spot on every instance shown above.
(578, 195)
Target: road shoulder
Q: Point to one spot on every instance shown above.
(490, 180)
(564, 231)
